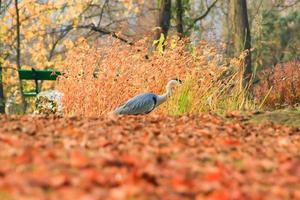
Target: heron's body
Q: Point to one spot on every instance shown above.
(140, 104)
(144, 103)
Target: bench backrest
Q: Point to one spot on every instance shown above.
(38, 74)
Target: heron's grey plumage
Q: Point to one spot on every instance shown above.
(141, 104)
(146, 102)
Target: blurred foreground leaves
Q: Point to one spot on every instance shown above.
(147, 157)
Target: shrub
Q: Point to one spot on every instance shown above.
(281, 84)
(101, 77)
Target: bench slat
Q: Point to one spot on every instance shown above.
(38, 74)
(29, 94)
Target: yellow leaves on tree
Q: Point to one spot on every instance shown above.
(41, 27)
(42, 34)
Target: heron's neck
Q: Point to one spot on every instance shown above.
(162, 98)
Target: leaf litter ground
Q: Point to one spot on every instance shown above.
(147, 157)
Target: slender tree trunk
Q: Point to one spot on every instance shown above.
(2, 100)
(164, 17)
(18, 57)
(241, 34)
(179, 15)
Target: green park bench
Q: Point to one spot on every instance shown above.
(37, 75)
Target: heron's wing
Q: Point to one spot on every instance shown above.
(140, 104)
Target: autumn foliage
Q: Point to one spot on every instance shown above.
(280, 85)
(100, 77)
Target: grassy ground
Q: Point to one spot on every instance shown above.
(290, 117)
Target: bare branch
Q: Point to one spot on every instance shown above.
(104, 31)
(63, 34)
(102, 11)
(283, 7)
(202, 16)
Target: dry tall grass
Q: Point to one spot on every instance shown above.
(101, 77)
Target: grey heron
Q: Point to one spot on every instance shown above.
(146, 102)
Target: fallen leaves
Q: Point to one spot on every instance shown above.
(78, 160)
(147, 157)
(59, 180)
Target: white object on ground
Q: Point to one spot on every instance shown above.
(49, 102)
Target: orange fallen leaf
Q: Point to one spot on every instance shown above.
(78, 160)
(181, 184)
(103, 142)
(59, 180)
(231, 142)
(214, 175)
(219, 195)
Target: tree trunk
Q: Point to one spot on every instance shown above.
(18, 50)
(2, 100)
(164, 17)
(241, 34)
(2, 104)
(179, 15)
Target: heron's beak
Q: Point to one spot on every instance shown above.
(178, 81)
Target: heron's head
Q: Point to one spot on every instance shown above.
(175, 81)
(172, 83)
